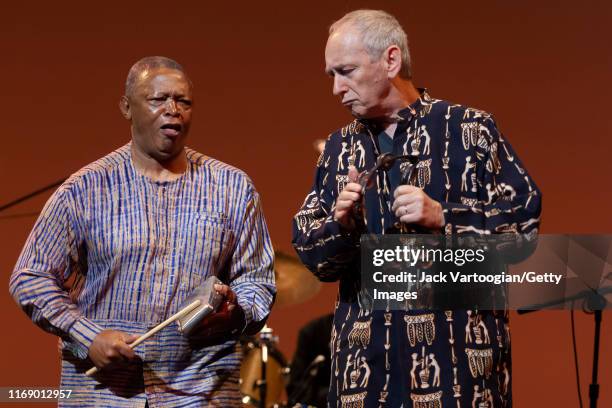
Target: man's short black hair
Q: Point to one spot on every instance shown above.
(146, 64)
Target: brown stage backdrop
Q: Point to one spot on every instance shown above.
(262, 98)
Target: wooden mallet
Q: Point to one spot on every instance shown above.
(199, 304)
(181, 313)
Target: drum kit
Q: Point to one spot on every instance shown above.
(265, 372)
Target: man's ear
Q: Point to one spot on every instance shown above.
(393, 60)
(124, 107)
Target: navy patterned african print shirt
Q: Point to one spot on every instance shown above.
(417, 358)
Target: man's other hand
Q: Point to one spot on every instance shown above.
(413, 206)
(229, 319)
(110, 347)
(343, 213)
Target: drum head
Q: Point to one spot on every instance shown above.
(250, 374)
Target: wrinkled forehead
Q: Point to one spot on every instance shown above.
(344, 45)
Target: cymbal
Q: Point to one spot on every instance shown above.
(294, 283)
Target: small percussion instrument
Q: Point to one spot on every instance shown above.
(198, 305)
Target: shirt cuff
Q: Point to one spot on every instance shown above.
(255, 305)
(241, 323)
(247, 310)
(82, 333)
(343, 240)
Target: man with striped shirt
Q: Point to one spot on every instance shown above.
(123, 242)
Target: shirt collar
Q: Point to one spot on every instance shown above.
(407, 113)
(415, 108)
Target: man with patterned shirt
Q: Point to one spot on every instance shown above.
(468, 180)
(125, 240)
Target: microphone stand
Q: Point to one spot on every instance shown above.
(30, 195)
(596, 302)
(306, 380)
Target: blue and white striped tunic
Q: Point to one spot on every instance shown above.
(113, 249)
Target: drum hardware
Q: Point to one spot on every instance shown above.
(306, 381)
(265, 336)
(264, 371)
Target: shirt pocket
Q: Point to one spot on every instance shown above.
(202, 248)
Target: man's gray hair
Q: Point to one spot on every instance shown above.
(379, 30)
(147, 64)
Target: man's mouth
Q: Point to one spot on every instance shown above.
(171, 129)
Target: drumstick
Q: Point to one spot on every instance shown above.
(157, 328)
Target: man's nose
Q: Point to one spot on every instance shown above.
(339, 85)
(171, 107)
